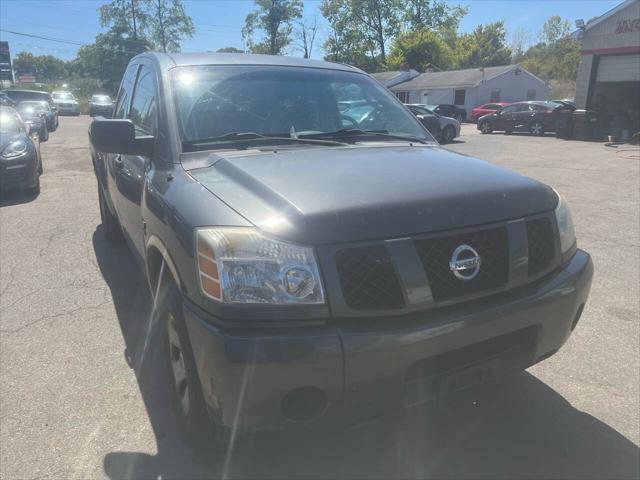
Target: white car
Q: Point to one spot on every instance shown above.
(66, 103)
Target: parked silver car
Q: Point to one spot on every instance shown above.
(66, 103)
(449, 127)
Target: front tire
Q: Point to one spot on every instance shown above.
(485, 128)
(448, 134)
(191, 409)
(537, 128)
(110, 223)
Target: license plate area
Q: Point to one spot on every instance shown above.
(439, 377)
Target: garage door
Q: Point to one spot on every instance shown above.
(619, 68)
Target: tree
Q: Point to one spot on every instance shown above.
(229, 50)
(169, 24)
(126, 16)
(520, 39)
(307, 36)
(46, 68)
(554, 29)
(369, 24)
(484, 47)
(275, 19)
(107, 58)
(432, 14)
(419, 50)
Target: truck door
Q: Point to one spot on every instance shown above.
(131, 170)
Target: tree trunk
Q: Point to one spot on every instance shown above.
(161, 27)
(133, 14)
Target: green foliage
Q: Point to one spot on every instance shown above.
(46, 68)
(484, 47)
(229, 50)
(362, 28)
(169, 24)
(419, 50)
(554, 29)
(556, 57)
(107, 58)
(126, 16)
(432, 14)
(275, 19)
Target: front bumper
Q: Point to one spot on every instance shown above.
(72, 109)
(19, 173)
(252, 378)
(103, 110)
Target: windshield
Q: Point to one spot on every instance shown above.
(63, 96)
(101, 99)
(213, 101)
(9, 123)
(32, 107)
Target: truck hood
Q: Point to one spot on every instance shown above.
(342, 194)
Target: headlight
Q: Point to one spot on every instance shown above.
(240, 265)
(15, 149)
(565, 225)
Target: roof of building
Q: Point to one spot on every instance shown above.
(384, 77)
(608, 14)
(453, 78)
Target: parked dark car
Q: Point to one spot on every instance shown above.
(448, 128)
(428, 118)
(448, 110)
(485, 109)
(20, 160)
(101, 105)
(18, 96)
(41, 108)
(307, 266)
(535, 117)
(33, 113)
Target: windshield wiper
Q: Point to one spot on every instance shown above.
(355, 132)
(239, 137)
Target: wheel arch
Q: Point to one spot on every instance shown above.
(156, 254)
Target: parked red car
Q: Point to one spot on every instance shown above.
(481, 110)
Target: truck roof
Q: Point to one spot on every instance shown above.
(184, 59)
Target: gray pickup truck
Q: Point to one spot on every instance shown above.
(308, 266)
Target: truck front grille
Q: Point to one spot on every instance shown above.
(492, 246)
(368, 279)
(541, 241)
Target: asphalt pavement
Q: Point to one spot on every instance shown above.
(82, 393)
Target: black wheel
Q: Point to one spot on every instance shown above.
(485, 127)
(110, 223)
(448, 134)
(44, 135)
(508, 132)
(191, 408)
(35, 191)
(459, 117)
(536, 128)
(40, 170)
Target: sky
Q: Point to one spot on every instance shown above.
(218, 22)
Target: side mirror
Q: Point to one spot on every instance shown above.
(119, 136)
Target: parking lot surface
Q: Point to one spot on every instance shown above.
(82, 395)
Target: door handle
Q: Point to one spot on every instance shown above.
(119, 163)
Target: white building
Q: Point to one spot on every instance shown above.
(609, 73)
(472, 87)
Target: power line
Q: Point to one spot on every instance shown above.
(70, 42)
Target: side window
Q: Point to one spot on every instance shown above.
(124, 95)
(511, 109)
(143, 106)
(531, 94)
